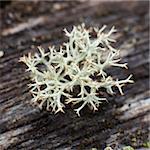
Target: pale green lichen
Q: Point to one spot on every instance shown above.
(1, 53)
(128, 148)
(123, 148)
(55, 73)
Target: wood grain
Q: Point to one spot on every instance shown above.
(122, 121)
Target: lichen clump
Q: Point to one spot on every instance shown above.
(83, 61)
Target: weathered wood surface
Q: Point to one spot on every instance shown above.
(122, 121)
